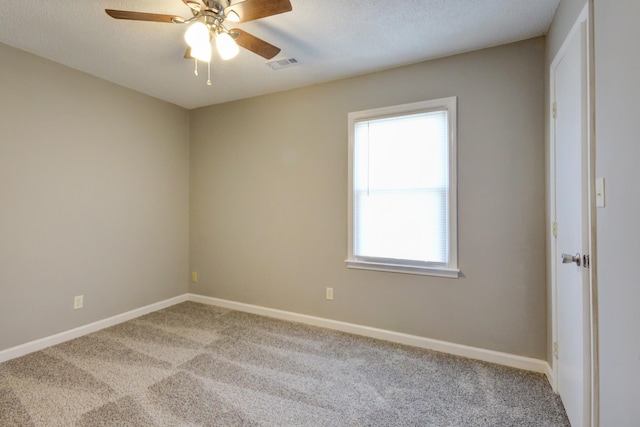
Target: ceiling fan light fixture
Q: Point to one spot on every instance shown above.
(227, 47)
(202, 52)
(197, 35)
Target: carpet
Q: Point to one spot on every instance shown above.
(198, 365)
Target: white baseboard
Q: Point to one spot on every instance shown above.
(21, 350)
(506, 359)
(551, 376)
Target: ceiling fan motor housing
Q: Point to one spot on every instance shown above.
(216, 6)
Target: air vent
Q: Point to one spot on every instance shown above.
(283, 63)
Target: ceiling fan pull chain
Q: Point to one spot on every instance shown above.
(195, 71)
(209, 73)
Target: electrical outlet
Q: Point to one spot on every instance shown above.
(78, 302)
(194, 276)
(329, 293)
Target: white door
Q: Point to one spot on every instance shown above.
(572, 297)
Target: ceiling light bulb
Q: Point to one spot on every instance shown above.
(233, 16)
(227, 47)
(197, 35)
(202, 53)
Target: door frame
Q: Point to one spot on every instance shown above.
(591, 321)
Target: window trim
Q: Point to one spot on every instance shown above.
(378, 264)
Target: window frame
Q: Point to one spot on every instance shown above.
(449, 270)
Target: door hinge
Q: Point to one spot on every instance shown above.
(586, 261)
(555, 350)
(555, 110)
(555, 229)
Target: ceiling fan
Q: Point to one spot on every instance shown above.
(208, 23)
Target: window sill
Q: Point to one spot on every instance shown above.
(399, 268)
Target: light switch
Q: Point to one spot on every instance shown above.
(600, 192)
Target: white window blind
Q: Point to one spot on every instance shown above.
(401, 188)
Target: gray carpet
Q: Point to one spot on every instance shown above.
(197, 365)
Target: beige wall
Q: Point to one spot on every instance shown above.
(93, 198)
(95, 201)
(617, 152)
(269, 202)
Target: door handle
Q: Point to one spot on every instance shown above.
(568, 259)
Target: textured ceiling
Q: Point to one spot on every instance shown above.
(331, 39)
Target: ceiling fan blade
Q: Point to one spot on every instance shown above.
(255, 45)
(195, 5)
(142, 16)
(249, 10)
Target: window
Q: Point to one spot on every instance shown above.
(402, 189)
